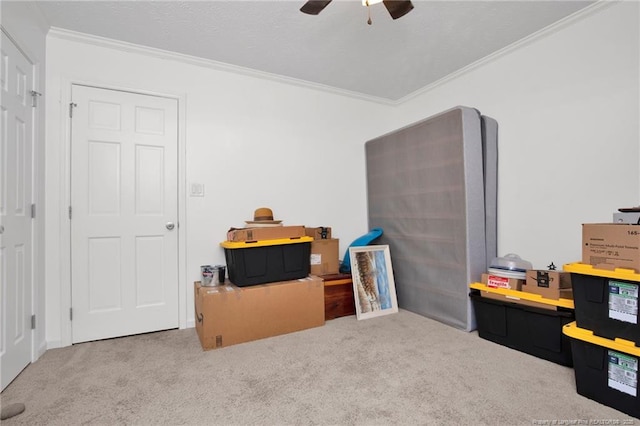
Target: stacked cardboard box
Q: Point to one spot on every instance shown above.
(611, 245)
(318, 232)
(324, 257)
(515, 287)
(324, 251)
(549, 284)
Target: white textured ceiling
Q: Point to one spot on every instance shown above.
(388, 60)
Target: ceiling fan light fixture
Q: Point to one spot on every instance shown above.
(396, 8)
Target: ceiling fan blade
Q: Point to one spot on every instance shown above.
(313, 7)
(398, 8)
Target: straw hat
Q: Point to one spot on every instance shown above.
(263, 215)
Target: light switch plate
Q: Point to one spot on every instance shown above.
(197, 190)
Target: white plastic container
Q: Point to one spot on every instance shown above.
(510, 266)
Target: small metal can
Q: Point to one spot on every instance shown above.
(207, 274)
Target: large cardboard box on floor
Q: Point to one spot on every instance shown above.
(267, 233)
(611, 245)
(324, 256)
(549, 284)
(227, 315)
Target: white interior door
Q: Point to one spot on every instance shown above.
(16, 194)
(124, 210)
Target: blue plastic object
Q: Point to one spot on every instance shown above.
(365, 240)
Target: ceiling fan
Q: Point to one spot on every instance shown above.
(397, 8)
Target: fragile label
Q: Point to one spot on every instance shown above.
(623, 301)
(494, 281)
(623, 373)
(316, 259)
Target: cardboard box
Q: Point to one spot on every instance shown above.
(611, 245)
(324, 256)
(495, 281)
(549, 284)
(267, 233)
(227, 315)
(318, 233)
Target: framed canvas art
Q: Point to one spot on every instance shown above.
(374, 289)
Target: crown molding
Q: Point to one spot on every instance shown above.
(63, 34)
(42, 21)
(544, 32)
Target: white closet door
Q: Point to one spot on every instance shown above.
(16, 194)
(124, 210)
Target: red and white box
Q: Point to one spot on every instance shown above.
(495, 281)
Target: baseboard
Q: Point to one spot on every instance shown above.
(53, 344)
(42, 349)
(191, 323)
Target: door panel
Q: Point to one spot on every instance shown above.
(104, 286)
(104, 178)
(148, 272)
(149, 180)
(16, 195)
(123, 192)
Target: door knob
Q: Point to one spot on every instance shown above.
(170, 225)
(1, 229)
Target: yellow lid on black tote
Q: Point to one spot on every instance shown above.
(620, 345)
(264, 243)
(586, 269)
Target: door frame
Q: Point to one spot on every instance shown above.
(65, 201)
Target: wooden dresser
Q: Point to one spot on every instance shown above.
(338, 296)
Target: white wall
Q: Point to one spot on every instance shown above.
(566, 102)
(24, 24)
(567, 105)
(252, 142)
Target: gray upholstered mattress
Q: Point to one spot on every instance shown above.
(432, 188)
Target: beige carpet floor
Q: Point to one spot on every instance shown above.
(400, 369)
